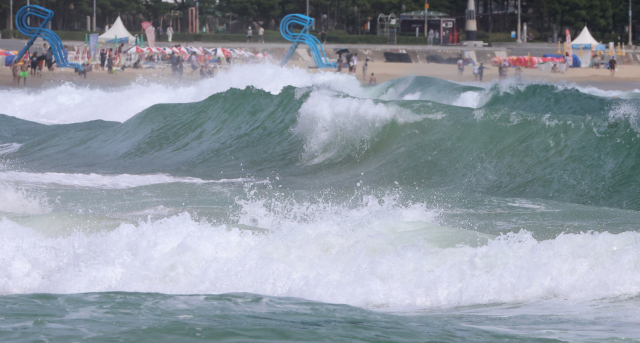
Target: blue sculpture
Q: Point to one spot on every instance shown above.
(317, 51)
(34, 32)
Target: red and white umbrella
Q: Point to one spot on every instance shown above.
(180, 50)
(134, 50)
(240, 53)
(150, 50)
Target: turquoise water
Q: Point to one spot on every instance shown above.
(288, 206)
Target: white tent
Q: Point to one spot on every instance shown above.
(117, 30)
(585, 38)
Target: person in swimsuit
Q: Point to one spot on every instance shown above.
(372, 80)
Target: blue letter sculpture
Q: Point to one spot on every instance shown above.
(303, 37)
(34, 32)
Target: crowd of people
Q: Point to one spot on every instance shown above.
(351, 60)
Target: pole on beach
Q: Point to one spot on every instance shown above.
(11, 16)
(518, 40)
(426, 12)
(94, 16)
(630, 25)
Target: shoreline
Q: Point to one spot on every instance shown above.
(626, 79)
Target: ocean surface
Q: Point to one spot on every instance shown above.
(273, 204)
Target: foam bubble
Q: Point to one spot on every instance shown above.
(120, 181)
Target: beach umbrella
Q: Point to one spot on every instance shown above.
(150, 50)
(180, 50)
(197, 51)
(240, 53)
(135, 50)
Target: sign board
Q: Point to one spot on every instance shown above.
(513, 34)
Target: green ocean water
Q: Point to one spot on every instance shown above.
(307, 208)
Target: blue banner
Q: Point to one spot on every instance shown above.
(93, 43)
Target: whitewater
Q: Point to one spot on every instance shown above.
(278, 204)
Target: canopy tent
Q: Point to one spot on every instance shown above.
(117, 30)
(585, 37)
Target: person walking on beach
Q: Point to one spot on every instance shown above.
(481, 69)
(354, 61)
(103, 59)
(323, 35)
(24, 72)
(194, 62)
(15, 71)
(48, 57)
(365, 66)
(612, 65)
(460, 66)
(250, 35)
(169, 33)
(260, 35)
(159, 30)
(110, 64)
(339, 63)
(34, 63)
(431, 35)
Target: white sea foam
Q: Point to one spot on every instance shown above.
(9, 148)
(377, 255)
(70, 104)
(18, 200)
(118, 181)
(332, 126)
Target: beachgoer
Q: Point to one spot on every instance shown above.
(555, 69)
(40, 65)
(260, 35)
(431, 35)
(460, 66)
(476, 72)
(481, 71)
(323, 35)
(180, 67)
(354, 61)
(194, 62)
(567, 61)
(612, 65)
(350, 63)
(169, 33)
(339, 63)
(505, 70)
(49, 59)
(103, 58)
(438, 37)
(372, 80)
(15, 71)
(365, 66)
(34, 63)
(250, 35)
(159, 31)
(24, 72)
(110, 64)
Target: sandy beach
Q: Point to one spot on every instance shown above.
(627, 77)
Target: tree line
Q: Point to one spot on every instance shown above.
(601, 16)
